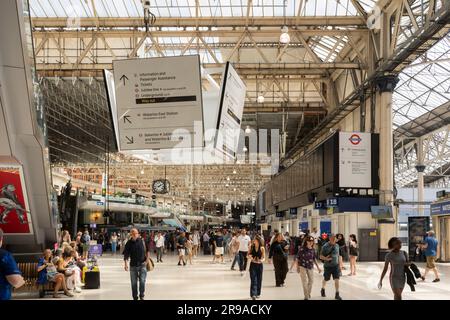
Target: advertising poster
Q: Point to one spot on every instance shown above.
(355, 160)
(14, 213)
(159, 103)
(417, 229)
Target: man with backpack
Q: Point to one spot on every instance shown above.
(330, 257)
(85, 240)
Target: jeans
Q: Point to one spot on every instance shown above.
(113, 247)
(159, 253)
(307, 276)
(138, 274)
(243, 260)
(256, 273)
(236, 259)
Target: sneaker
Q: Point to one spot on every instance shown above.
(436, 280)
(69, 294)
(77, 290)
(142, 298)
(322, 292)
(179, 263)
(337, 296)
(423, 278)
(257, 297)
(253, 298)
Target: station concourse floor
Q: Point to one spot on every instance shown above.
(206, 281)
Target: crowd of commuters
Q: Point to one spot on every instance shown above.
(63, 264)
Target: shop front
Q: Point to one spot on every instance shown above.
(440, 213)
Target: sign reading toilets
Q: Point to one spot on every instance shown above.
(14, 213)
(230, 112)
(159, 103)
(355, 160)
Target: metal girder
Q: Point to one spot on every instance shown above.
(116, 22)
(120, 33)
(408, 51)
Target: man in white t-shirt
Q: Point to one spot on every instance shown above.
(159, 243)
(244, 244)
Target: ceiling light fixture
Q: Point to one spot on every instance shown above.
(285, 38)
(245, 149)
(142, 171)
(260, 98)
(234, 171)
(248, 130)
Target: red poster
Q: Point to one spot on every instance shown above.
(14, 214)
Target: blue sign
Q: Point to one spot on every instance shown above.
(303, 226)
(320, 205)
(442, 208)
(293, 211)
(95, 250)
(280, 214)
(332, 203)
(99, 203)
(325, 227)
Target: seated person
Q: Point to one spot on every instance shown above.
(72, 273)
(47, 273)
(80, 263)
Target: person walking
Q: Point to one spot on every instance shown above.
(353, 253)
(114, 243)
(205, 243)
(244, 243)
(136, 250)
(181, 247)
(257, 255)
(234, 250)
(330, 255)
(195, 243)
(188, 246)
(397, 259)
(218, 245)
(10, 275)
(431, 252)
(278, 252)
(340, 240)
(160, 241)
(306, 259)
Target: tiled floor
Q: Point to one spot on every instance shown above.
(204, 280)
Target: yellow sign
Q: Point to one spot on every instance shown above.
(373, 233)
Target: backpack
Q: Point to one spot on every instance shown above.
(83, 238)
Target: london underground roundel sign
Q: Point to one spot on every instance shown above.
(355, 139)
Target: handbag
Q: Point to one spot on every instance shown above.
(149, 264)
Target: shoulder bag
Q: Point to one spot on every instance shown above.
(149, 264)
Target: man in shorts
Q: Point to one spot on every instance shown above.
(218, 244)
(181, 246)
(431, 248)
(330, 255)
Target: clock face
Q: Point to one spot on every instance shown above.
(161, 186)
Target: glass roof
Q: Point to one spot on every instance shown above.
(187, 8)
(424, 85)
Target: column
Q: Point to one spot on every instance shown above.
(420, 167)
(385, 87)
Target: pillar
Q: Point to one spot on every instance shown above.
(420, 167)
(385, 88)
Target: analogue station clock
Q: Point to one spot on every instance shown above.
(161, 186)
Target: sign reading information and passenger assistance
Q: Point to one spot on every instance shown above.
(355, 160)
(159, 103)
(230, 112)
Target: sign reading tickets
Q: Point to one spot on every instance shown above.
(159, 103)
(355, 160)
(230, 112)
(14, 210)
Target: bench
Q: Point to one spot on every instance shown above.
(30, 275)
